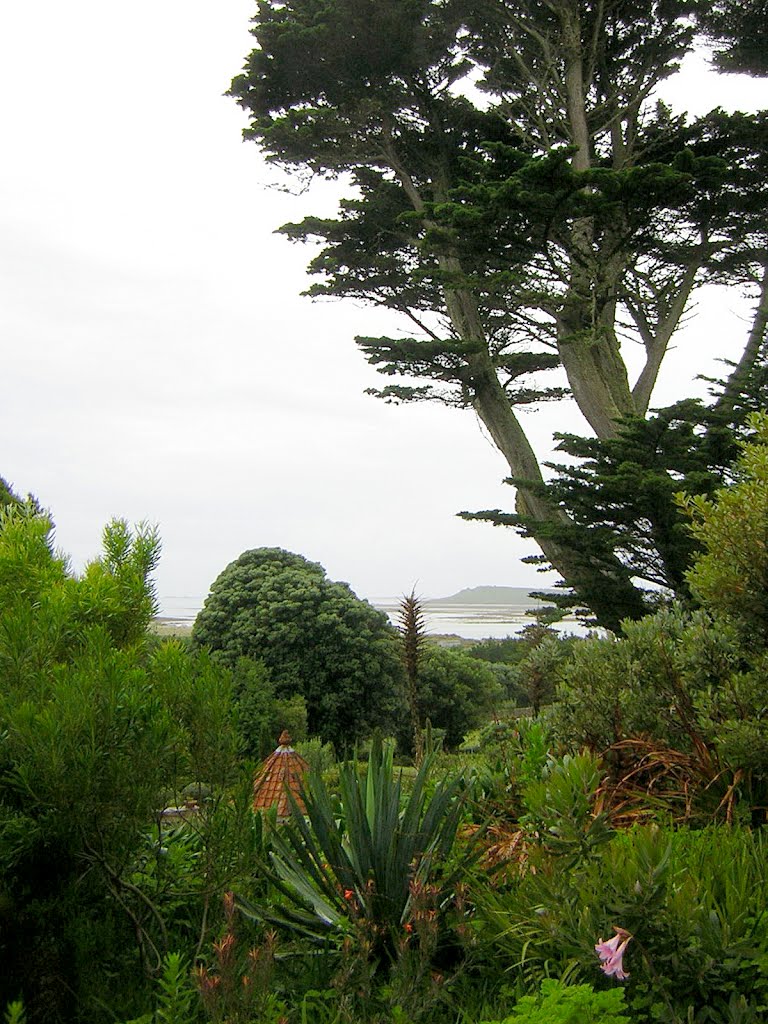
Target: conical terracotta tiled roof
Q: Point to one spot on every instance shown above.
(283, 770)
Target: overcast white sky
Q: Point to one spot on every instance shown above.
(158, 362)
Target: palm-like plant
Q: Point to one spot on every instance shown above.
(369, 859)
(414, 637)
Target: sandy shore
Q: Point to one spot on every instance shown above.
(183, 627)
(171, 627)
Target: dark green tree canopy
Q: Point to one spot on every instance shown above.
(455, 692)
(100, 724)
(620, 493)
(739, 31)
(315, 637)
(519, 196)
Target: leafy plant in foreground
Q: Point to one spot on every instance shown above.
(692, 900)
(361, 863)
(731, 574)
(569, 1004)
(176, 1002)
(238, 986)
(14, 1013)
(561, 807)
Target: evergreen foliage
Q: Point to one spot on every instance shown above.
(98, 727)
(537, 228)
(620, 494)
(456, 693)
(315, 637)
(739, 32)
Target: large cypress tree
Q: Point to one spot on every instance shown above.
(738, 29)
(516, 194)
(739, 33)
(619, 492)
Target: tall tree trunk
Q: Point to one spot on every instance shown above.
(595, 370)
(591, 364)
(540, 513)
(492, 405)
(587, 343)
(757, 337)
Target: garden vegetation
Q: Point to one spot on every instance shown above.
(539, 830)
(594, 849)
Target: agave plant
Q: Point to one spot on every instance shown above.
(370, 859)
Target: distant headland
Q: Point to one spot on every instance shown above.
(518, 596)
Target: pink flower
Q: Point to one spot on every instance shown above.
(612, 952)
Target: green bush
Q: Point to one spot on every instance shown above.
(560, 806)
(673, 680)
(99, 726)
(568, 1004)
(320, 757)
(261, 714)
(526, 664)
(455, 692)
(539, 671)
(692, 901)
(730, 576)
(637, 685)
(315, 637)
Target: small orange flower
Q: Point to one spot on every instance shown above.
(209, 983)
(408, 926)
(223, 948)
(348, 894)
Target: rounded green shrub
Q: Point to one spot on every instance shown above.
(315, 636)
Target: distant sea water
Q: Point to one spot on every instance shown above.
(470, 621)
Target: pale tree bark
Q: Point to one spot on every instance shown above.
(598, 379)
(488, 397)
(594, 276)
(492, 405)
(755, 343)
(588, 344)
(758, 334)
(586, 338)
(657, 341)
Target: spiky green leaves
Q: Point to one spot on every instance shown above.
(362, 859)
